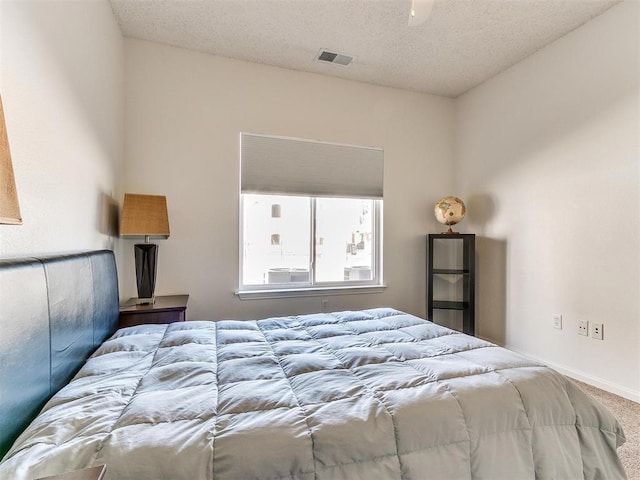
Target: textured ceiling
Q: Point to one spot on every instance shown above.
(460, 45)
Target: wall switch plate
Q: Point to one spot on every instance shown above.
(596, 331)
(557, 321)
(583, 328)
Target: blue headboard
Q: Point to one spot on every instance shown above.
(54, 312)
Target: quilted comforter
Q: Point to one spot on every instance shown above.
(375, 394)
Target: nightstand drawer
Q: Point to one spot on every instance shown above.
(166, 309)
(129, 319)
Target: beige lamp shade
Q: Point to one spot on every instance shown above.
(144, 216)
(9, 207)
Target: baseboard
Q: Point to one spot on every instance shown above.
(588, 379)
(596, 382)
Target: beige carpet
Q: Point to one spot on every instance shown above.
(628, 414)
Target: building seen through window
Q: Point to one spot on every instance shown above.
(277, 240)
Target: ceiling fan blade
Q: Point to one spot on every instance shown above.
(420, 11)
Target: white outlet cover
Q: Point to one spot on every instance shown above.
(596, 330)
(557, 321)
(583, 328)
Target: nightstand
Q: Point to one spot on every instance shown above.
(167, 309)
(95, 473)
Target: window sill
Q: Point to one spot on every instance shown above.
(309, 292)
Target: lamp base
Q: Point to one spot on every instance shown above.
(146, 265)
(146, 301)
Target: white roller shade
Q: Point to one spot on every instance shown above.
(291, 166)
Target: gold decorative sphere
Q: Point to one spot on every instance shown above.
(449, 211)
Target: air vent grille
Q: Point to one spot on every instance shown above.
(331, 57)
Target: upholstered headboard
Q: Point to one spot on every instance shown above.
(54, 312)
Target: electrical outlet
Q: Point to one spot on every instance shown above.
(557, 321)
(325, 304)
(583, 328)
(596, 331)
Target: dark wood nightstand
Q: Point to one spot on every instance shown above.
(167, 309)
(95, 473)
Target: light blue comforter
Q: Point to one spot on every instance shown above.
(375, 394)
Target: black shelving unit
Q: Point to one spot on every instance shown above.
(452, 256)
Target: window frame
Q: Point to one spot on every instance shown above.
(313, 288)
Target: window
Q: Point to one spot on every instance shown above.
(311, 215)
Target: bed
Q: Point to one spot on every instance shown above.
(346, 395)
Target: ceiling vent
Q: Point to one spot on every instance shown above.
(337, 58)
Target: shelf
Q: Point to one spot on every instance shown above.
(450, 271)
(453, 236)
(449, 305)
(451, 278)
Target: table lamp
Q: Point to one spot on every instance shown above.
(145, 216)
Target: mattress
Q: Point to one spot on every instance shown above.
(374, 394)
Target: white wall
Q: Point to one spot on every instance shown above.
(184, 112)
(547, 158)
(61, 79)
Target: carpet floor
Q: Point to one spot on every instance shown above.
(628, 414)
